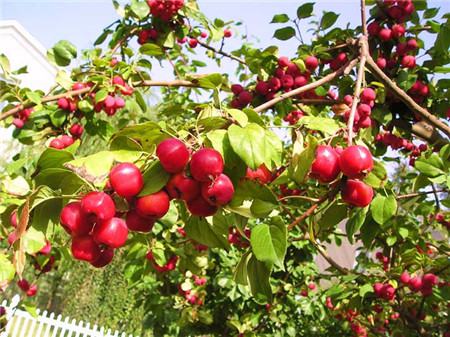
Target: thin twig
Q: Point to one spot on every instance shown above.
(331, 76)
(221, 52)
(313, 207)
(412, 195)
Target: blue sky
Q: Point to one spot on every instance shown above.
(81, 21)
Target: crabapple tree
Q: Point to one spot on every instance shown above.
(221, 196)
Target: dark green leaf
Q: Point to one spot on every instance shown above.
(383, 208)
(355, 221)
(284, 33)
(328, 19)
(258, 276)
(280, 18)
(155, 178)
(305, 10)
(269, 242)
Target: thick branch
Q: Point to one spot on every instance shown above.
(221, 52)
(71, 93)
(351, 118)
(403, 96)
(328, 78)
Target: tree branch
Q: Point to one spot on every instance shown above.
(331, 76)
(313, 207)
(71, 93)
(417, 194)
(221, 52)
(363, 51)
(357, 92)
(405, 98)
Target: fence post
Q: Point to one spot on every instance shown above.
(47, 329)
(80, 328)
(41, 323)
(33, 324)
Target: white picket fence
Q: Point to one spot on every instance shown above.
(23, 324)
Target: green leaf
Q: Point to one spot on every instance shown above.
(101, 95)
(53, 158)
(430, 13)
(240, 274)
(211, 81)
(431, 167)
(258, 276)
(383, 208)
(201, 231)
(34, 97)
(95, 168)
(305, 10)
(255, 145)
(355, 222)
(328, 126)
(155, 178)
(365, 289)
(140, 9)
(239, 116)
(269, 242)
(328, 19)
(63, 52)
(33, 241)
(7, 270)
(280, 18)
(57, 117)
(220, 142)
(148, 134)
(284, 34)
(333, 215)
(391, 240)
(59, 178)
(302, 158)
(151, 49)
(4, 64)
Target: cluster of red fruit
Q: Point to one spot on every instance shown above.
(392, 27)
(194, 296)
(193, 41)
(362, 118)
(287, 76)
(96, 230)
(423, 284)
(207, 187)
(61, 142)
(398, 143)
(262, 174)
(165, 9)
(293, 117)
(29, 289)
(111, 103)
(354, 162)
(305, 292)
(419, 91)
(236, 239)
(383, 259)
(22, 117)
(384, 291)
(169, 266)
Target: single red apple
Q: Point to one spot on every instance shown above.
(153, 205)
